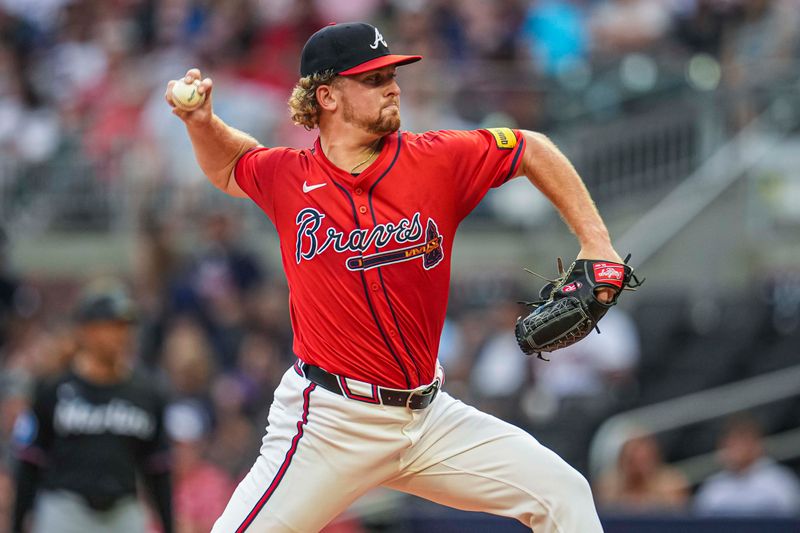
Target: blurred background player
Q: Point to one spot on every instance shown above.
(751, 483)
(91, 431)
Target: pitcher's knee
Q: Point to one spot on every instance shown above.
(572, 487)
(566, 499)
(566, 507)
(579, 487)
(571, 504)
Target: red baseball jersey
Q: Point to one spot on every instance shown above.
(367, 257)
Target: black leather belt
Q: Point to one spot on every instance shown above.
(413, 399)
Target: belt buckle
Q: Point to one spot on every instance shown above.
(431, 390)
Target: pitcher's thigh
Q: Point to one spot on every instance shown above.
(476, 462)
(314, 462)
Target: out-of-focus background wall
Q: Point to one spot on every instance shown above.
(682, 116)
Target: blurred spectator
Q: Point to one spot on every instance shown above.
(235, 439)
(19, 304)
(767, 30)
(342, 10)
(241, 401)
(267, 308)
(188, 362)
(499, 371)
(451, 344)
(463, 337)
(35, 349)
(557, 33)
(762, 47)
(623, 26)
(701, 26)
(750, 484)
(41, 13)
(201, 488)
(79, 60)
(490, 28)
(158, 262)
(641, 482)
(220, 275)
(260, 367)
(224, 265)
(599, 368)
(8, 289)
(155, 271)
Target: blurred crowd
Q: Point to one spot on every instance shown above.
(83, 80)
(82, 84)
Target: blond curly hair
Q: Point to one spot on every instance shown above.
(303, 105)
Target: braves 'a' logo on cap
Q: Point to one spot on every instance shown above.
(378, 39)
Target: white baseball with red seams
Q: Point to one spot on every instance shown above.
(186, 95)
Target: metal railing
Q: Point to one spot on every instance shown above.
(643, 152)
(726, 166)
(694, 408)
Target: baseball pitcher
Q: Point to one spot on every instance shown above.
(366, 218)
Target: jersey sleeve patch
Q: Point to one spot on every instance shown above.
(503, 137)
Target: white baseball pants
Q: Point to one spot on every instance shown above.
(323, 451)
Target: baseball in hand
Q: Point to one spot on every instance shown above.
(185, 95)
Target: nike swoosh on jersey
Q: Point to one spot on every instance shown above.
(308, 188)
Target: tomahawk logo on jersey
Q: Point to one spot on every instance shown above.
(368, 245)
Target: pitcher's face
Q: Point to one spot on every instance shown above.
(371, 100)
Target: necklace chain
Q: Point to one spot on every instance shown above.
(372, 153)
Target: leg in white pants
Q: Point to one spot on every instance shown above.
(322, 451)
(469, 460)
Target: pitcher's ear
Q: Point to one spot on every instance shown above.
(326, 98)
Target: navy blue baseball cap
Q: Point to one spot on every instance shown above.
(348, 48)
(105, 300)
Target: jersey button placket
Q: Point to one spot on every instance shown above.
(362, 210)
